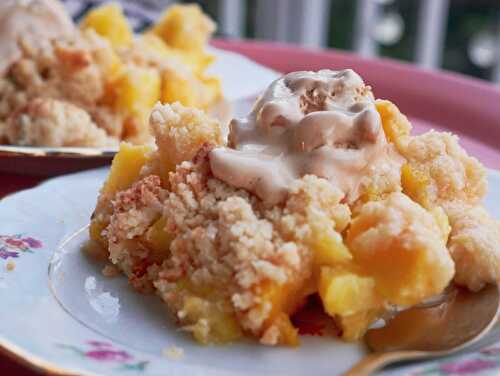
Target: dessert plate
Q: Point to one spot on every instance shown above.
(239, 96)
(61, 315)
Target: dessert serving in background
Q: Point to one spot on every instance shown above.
(94, 84)
(321, 190)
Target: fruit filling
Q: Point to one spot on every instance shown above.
(321, 191)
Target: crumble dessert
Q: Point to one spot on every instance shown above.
(321, 190)
(94, 84)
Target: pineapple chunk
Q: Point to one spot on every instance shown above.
(400, 245)
(288, 335)
(138, 90)
(126, 167)
(284, 301)
(208, 323)
(185, 27)
(346, 293)
(442, 221)
(199, 61)
(415, 184)
(196, 61)
(350, 298)
(189, 90)
(329, 249)
(354, 326)
(395, 124)
(109, 21)
(95, 232)
(125, 170)
(158, 240)
(206, 314)
(211, 89)
(179, 87)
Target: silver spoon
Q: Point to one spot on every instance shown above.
(428, 332)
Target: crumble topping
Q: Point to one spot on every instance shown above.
(229, 261)
(101, 79)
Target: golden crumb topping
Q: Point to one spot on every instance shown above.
(230, 263)
(101, 70)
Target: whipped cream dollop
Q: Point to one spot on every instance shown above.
(32, 21)
(321, 123)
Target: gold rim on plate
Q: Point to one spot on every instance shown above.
(69, 152)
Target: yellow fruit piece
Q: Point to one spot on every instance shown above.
(400, 245)
(284, 300)
(329, 248)
(355, 326)
(95, 232)
(126, 167)
(196, 61)
(344, 292)
(189, 90)
(207, 315)
(212, 90)
(185, 27)
(199, 61)
(178, 87)
(137, 90)
(115, 67)
(125, 170)
(158, 239)
(395, 124)
(288, 333)
(415, 183)
(109, 21)
(442, 221)
(155, 44)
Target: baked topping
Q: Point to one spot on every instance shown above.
(100, 68)
(33, 21)
(321, 123)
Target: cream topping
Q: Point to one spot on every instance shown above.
(34, 21)
(321, 123)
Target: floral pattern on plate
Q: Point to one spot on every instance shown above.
(12, 245)
(483, 362)
(105, 352)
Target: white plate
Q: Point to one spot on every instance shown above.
(238, 95)
(58, 313)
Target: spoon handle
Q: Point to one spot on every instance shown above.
(374, 361)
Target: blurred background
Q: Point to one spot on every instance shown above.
(457, 35)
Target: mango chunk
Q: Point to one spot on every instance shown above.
(109, 21)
